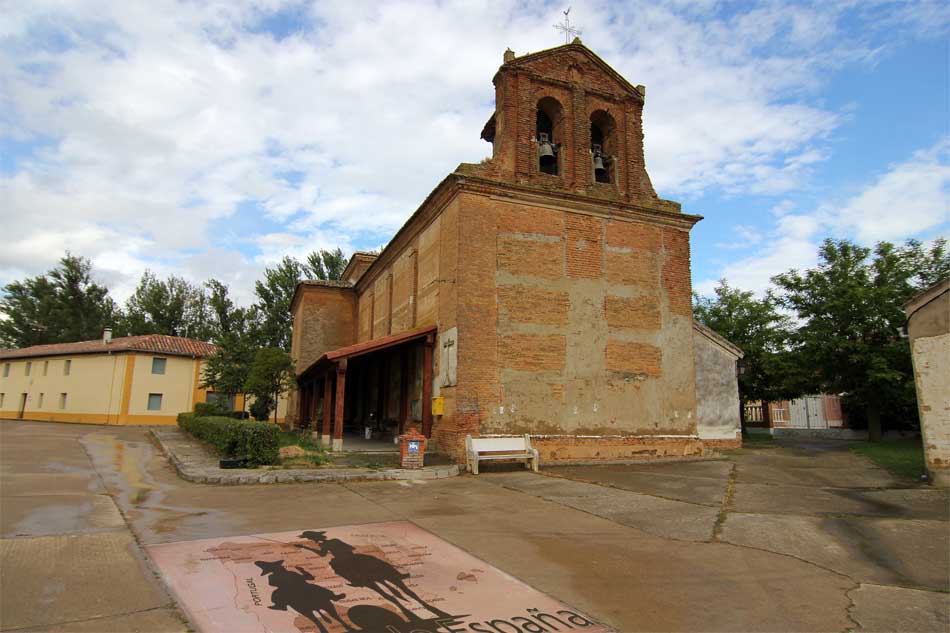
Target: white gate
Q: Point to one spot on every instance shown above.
(807, 413)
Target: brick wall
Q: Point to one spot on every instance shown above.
(582, 86)
(554, 341)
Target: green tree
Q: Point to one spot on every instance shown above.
(274, 294)
(62, 306)
(271, 374)
(326, 265)
(236, 332)
(276, 291)
(171, 306)
(760, 331)
(851, 312)
(927, 266)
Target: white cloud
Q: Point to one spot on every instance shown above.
(162, 117)
(911, 200)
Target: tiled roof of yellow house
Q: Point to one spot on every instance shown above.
(147, 343)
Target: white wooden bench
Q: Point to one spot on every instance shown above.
(491, 448)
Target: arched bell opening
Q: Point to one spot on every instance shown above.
(547, 135)
(602, 146)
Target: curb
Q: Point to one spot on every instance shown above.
(246, 476)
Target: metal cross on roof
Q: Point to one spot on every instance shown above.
(570, 32)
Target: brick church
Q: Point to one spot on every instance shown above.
(545, 290)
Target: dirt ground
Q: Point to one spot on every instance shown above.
(799, 537)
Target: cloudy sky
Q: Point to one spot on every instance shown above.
(212, 138)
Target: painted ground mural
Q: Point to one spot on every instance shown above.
(376, 578)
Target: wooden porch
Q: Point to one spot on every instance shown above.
(379, 387)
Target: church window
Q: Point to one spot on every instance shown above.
(602, 146)
(548, 135)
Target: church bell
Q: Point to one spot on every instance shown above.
(546, 151)
(600, 169)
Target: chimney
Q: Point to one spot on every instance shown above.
(107, 335)
(509, 55)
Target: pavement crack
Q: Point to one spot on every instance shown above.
(606, 484)
(122, 614)
(726, 504)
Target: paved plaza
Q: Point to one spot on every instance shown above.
(800, 537)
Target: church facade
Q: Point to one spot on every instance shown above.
(545, 290)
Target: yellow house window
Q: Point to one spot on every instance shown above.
(29, 366)
(154, 402)
(158, 365)
(39, 405)
(3, 397)
(62, 401)
(45, 367)
(6, 370)
(67, 365)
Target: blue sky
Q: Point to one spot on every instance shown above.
(212, 138)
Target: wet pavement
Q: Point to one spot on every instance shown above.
(796, 538)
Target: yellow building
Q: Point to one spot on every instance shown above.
(130, 380)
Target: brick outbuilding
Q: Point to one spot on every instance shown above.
(545, 290)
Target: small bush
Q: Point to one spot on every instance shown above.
(257, 442)
(211, 408)
(261, 408)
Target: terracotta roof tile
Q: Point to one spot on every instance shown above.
(152, 343)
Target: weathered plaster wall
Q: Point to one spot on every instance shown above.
(717, 390)
(931, 357)
(929, 331)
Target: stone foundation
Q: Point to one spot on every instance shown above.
(559, 449)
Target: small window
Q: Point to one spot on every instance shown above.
(158, 365)
(3, 397)
(62, 401)
(6, 370)
(211, 398)
(67, 366)
(45, 367)
(39, 404)
(154, 402)
(29, 366)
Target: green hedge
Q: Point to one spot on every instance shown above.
(257, 442)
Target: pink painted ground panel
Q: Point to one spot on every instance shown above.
(376, 578)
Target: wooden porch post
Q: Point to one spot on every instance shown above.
(313, 407)
(303, 390)
(339, 407)
(327, 407)
(404, 391)
(427, 385)
(385, 363)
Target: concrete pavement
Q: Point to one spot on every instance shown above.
(786, 539)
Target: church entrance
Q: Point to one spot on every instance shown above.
(362, 397)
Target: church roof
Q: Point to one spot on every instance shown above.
(577, 46)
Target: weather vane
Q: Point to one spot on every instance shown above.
(570, 32)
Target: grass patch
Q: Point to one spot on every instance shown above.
(315, 456)
(306, 442)
(903, 457)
